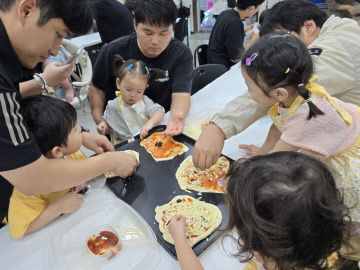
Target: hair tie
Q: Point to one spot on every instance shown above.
(300, 85)
(287, 70)
(308, 100)
(130, 66)
(251, 58)
(147, 70)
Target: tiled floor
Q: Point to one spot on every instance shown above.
(84, 115)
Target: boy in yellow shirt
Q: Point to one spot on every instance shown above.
(53, 123)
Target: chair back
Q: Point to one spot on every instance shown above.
(200, 54)
(205, 74)
(81, 76)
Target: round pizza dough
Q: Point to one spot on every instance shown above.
(202, 218)
(213, 179)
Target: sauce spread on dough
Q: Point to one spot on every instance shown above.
(161, 146)
(208, 179)
(101, 243)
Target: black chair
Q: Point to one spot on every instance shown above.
(181, 30)
(200, 54)
(205, 74)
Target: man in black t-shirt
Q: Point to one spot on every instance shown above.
(113, 19)
(152, 43)
(29, 31)
(227, 36)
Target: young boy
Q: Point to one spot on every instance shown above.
(53, 123)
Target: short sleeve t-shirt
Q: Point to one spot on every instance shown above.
(176, 60)
(17, 143)
(226, 39)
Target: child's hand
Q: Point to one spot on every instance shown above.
(251, 149)
(177, 227)
(68, 203)
(249, 27)
(103, 128)
(145, 129)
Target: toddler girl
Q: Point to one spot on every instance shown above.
(286, 210)
(277, 70)
(131, 110)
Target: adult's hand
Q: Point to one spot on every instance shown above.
(54, 73)
(96, 142)
(126, 164)
(175, 125)
(208, 147)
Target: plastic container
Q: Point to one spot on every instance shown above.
(103, 242)
(138, 242)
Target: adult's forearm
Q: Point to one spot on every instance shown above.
(30, 88)
(49, 175)
(238, 115)
(180, 104)
(97, 103)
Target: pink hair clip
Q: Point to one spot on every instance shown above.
(252, 58)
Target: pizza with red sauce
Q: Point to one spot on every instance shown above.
(163, 147)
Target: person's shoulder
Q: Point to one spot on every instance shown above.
(228, 18)
(178, 48)
(122, 42)
(337, 30)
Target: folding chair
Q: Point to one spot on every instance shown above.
(200, 54)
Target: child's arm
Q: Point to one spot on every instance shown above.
(283, 146)
(65, 205)
(157, 116)
(271, 140)
(186, 256)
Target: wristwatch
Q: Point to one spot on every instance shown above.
(84, 129)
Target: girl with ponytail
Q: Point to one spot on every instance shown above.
(131, 111)
(278, 72)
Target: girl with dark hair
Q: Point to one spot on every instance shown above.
(277, 70)
(131, 111)
(286, 210)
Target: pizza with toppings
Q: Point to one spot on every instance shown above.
(209, 180)
(163, 147)
(201, 218)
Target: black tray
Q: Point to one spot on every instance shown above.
(154, 183)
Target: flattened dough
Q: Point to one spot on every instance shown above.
(202, 218)
(209, 180)
(162, 147)
(130, 152)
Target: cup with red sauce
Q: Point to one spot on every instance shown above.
(103, 242)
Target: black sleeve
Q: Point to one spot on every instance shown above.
(103, 76)
(183, 73)
(17, 143)
(234, 39)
